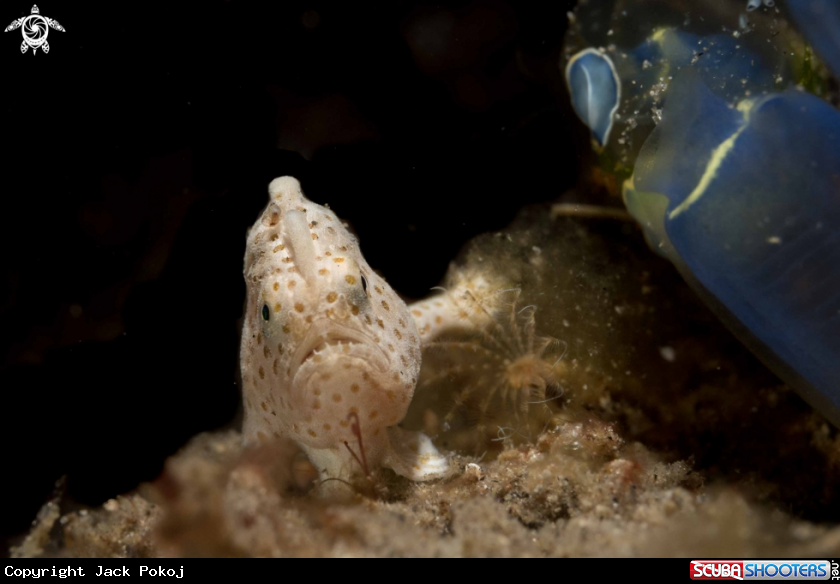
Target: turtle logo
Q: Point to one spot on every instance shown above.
(35, 29)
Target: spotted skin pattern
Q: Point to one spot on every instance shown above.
(329, 354)
(468, 303)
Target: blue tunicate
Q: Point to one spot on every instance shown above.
(649, 42)
(745, 201)
(819, 20)
(595, 91)
(735, 167)
(728, 68)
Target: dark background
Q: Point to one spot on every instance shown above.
(137, 153)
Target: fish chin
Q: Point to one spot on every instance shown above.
(328, 344)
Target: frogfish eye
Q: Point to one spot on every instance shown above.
(265, 313)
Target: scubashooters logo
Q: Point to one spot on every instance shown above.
(763, 570)
(35, 29)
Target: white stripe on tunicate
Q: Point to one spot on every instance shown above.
(719, 154)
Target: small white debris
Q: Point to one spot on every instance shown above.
(473, 473)
(657, 114)
(774, 240)
(111, 505)
(668, 353)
